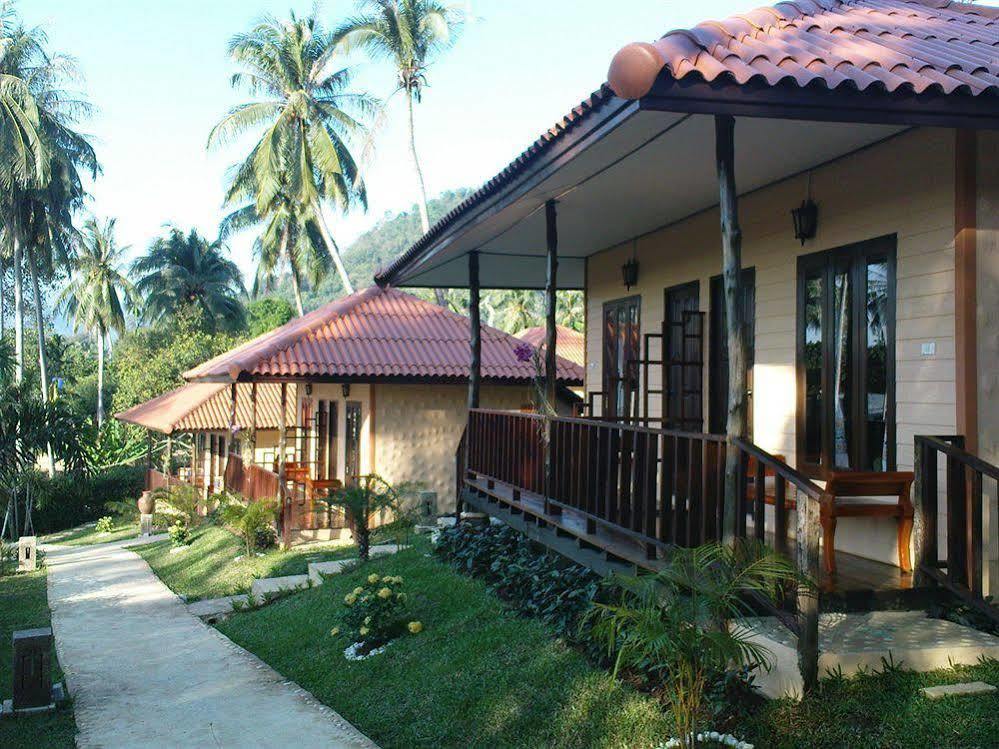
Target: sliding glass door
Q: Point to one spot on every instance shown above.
(846, 358)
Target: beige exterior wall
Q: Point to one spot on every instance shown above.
(418, 429)
(904, 186)
(988, 333)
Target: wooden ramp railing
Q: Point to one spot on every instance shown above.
(252, 481)
(158, 480)
(967, 481)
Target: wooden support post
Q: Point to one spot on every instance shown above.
(250, 443)
(168, 457)
(232, 432)
(808, 595)
(551, 288)
(475, 323)
(282, 487)
(966, 285)
(731, 236)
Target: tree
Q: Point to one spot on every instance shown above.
(181, 271)
(94, 294)
(361, 498)
(309, 116)
(408, 33)
(268, 313)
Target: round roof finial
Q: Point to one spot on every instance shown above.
(634, 69)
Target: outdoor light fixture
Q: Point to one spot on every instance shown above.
(346, 390)
(806, 220)
(629, 271)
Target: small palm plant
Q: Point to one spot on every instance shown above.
(361, 500)
(676, 626)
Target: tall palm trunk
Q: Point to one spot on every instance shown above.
(3, 299)
(439, 296)
(296, 287)
(43, 362)
(332, 248)
(100, 376)
(18, 313)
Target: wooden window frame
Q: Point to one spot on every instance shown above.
(855, 256)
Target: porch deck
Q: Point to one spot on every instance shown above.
(859, 584)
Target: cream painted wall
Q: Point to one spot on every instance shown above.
(903, 186)
(419, 426)
(988, 334)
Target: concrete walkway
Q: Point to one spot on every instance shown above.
(143, 672)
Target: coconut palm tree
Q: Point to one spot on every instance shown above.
(408, 33)
(181, 270)
(309, 118)
(95, 291)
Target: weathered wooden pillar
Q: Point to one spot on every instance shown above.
(232, 434)
(283, 501)
(551, 287)
(808, 595)
(475, 323)
(250, 456)
(168, 457)
(731, 236)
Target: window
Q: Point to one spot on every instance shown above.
(621, 353)
(846, 358)
(352, 444)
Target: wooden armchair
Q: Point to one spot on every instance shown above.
(867, 494)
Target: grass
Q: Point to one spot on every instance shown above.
(85, 535)
(884, 709)
(478, 676)
(209, 567)
(24, 605)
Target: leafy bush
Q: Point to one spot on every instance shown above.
(180, 534)
(536, 583)
(674, 626)
(105, 524)
(253, 521)
(182, 501)
(69, 500)
(361, 500)
(376, 611)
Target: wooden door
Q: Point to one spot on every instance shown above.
(621, 345)
(352, 445)
(683, 361)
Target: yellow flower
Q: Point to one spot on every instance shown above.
(350, 599)
(358, 590)
(364, 631)
(334, 632)
(373, 579)
(415, 627)
(401, 596)
(384, 593)
(367, 621)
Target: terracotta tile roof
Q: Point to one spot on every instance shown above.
(869, 45)
(882, 45)
(376, 333)
(569, 344)
(204, 406)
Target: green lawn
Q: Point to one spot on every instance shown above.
(884, 710)
(208, 568)
(85, 535)
(23, 605)
(478, 676)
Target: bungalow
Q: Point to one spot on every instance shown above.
(377, 383)
(785, 376)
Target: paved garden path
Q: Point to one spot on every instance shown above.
(143, 672)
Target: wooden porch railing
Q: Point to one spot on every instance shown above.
(962, 571)
(158, 480)
(661, 488)
(252, 481)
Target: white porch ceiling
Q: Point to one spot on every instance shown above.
(654, 169)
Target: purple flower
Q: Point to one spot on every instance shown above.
(524, 352)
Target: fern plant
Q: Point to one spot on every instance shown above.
(676, 626)
(361, 500)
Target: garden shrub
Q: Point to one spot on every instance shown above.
(180, 534)
(536, 583)
(182, 501)
(252, 521)
(376, 611)
(105, 524)
(71, 499)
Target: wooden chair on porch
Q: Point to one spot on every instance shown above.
(872, 494)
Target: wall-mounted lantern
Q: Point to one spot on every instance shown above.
(346, 389)
(629, 271)
(806, 220)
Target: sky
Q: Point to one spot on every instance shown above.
(158, 75)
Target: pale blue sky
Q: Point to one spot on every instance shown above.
(158, 74)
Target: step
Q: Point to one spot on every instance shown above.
(853, 642)
(318, 569)
(278, 584)
(211, 607)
